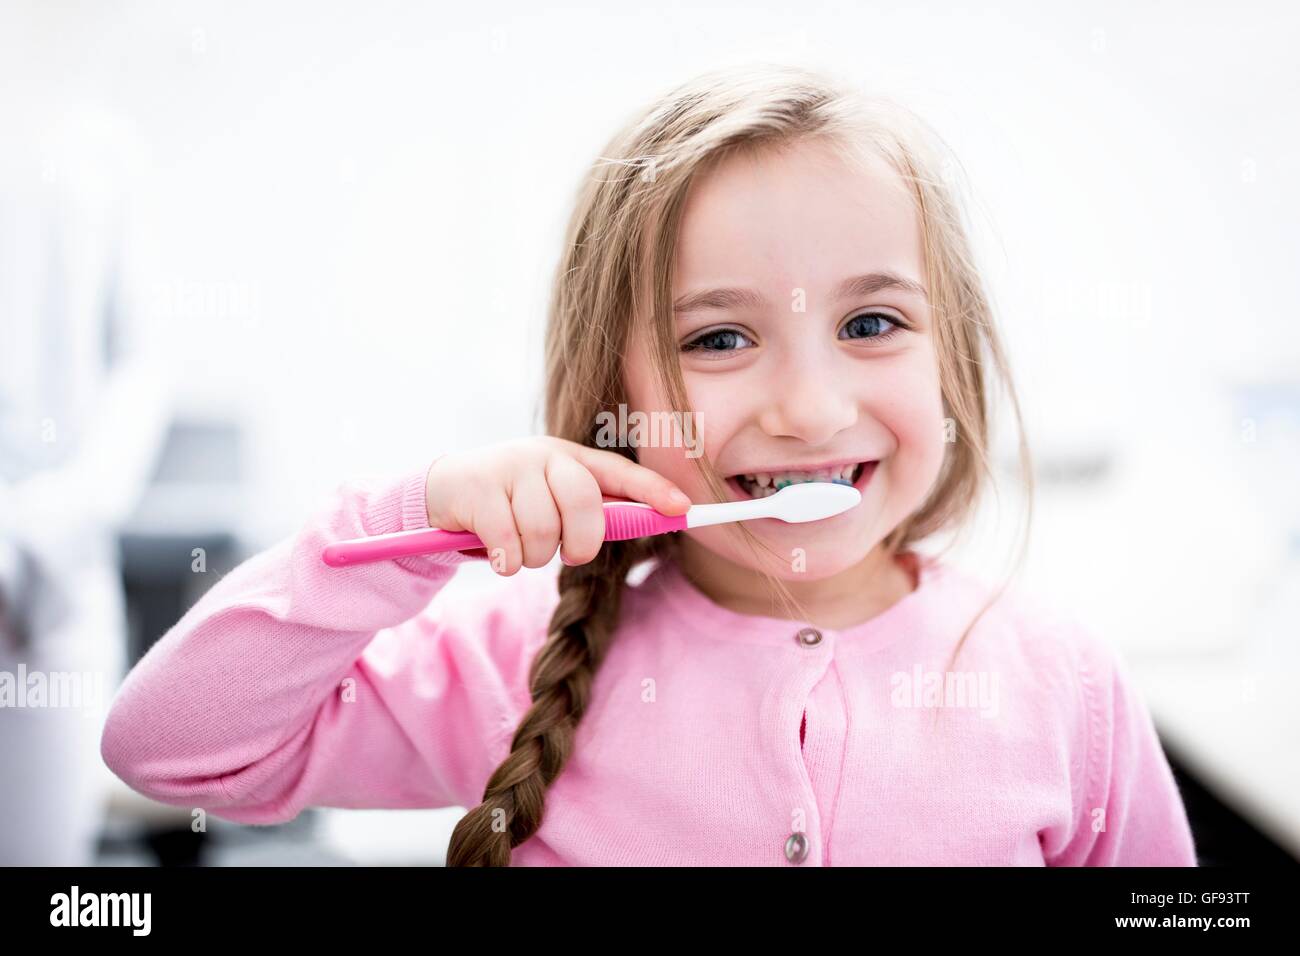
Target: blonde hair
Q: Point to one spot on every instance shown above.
(617, 265)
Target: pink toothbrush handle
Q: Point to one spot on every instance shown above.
(623, 520)
(398, 544)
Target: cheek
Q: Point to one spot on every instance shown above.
(644, 397)
(711, 425)
(915, 417)
(714, 417)
(674, 465)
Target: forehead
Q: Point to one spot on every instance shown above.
(796, 217)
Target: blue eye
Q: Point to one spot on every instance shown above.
(869, 325)
(717, 340)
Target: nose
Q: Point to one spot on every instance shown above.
(811, 403)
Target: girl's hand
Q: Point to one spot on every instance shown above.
(529, 497)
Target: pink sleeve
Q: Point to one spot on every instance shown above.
(292, 684)
(1127, 808)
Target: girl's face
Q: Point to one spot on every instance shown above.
(805, 339)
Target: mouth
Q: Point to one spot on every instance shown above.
(767, 483)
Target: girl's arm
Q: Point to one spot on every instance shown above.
(291, 683)
(1128, 811)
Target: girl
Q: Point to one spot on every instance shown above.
(780, 257)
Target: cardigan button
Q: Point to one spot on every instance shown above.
(809, 637)
(796, 847)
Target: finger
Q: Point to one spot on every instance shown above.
(623, 478)
(536, 517)
(578, 498)
(494, 523)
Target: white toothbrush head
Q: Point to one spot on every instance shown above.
(806, 501)
(811, 501)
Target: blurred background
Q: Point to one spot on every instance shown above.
(246, 247)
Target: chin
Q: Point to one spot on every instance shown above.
(798, 556)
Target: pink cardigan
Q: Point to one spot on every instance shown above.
(292, 684)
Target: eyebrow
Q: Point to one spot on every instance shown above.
(853, 287)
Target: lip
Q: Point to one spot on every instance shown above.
(812, 466)
(868, 469)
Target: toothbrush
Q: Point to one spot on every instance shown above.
(806, 501)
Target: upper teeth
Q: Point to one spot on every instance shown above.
(766, 479)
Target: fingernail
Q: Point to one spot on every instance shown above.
(679, 497)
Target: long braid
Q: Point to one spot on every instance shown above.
(560, 680)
